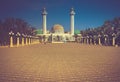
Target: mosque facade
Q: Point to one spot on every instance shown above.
(57, 33)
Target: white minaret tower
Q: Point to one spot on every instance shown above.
(72, 13)
(44, 13)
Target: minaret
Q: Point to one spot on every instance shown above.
(44, 13)
(72, 13)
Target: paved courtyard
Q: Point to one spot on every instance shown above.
(70, 62)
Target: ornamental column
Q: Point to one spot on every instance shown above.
(72, 13)
(44, 13)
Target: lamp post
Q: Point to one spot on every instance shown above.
(81, 39)
(99, 39)
(105, 39)
(87, 39)
(84, 40)
(11, 38)
(29, 39)
(113, 39)
(23, 39)
(90, 39)
(18, 38)
(26, 39)
(94, 38)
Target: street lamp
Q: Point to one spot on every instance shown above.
(90, 39)
(26, 39)
(87, 39)
(94, 38)
(105, 38)
(23, 39)
(99, 39)
(11, 38)
(29, 37)
(113, 39)
(18, 38)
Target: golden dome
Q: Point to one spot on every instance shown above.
(57, 28)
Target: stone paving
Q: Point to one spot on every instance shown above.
(70, 62)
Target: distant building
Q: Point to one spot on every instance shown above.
(57, 34)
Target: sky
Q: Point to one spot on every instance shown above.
(89, 13)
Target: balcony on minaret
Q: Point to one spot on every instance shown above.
(44, 12)
(72, 12)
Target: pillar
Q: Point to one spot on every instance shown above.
(72, 13)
